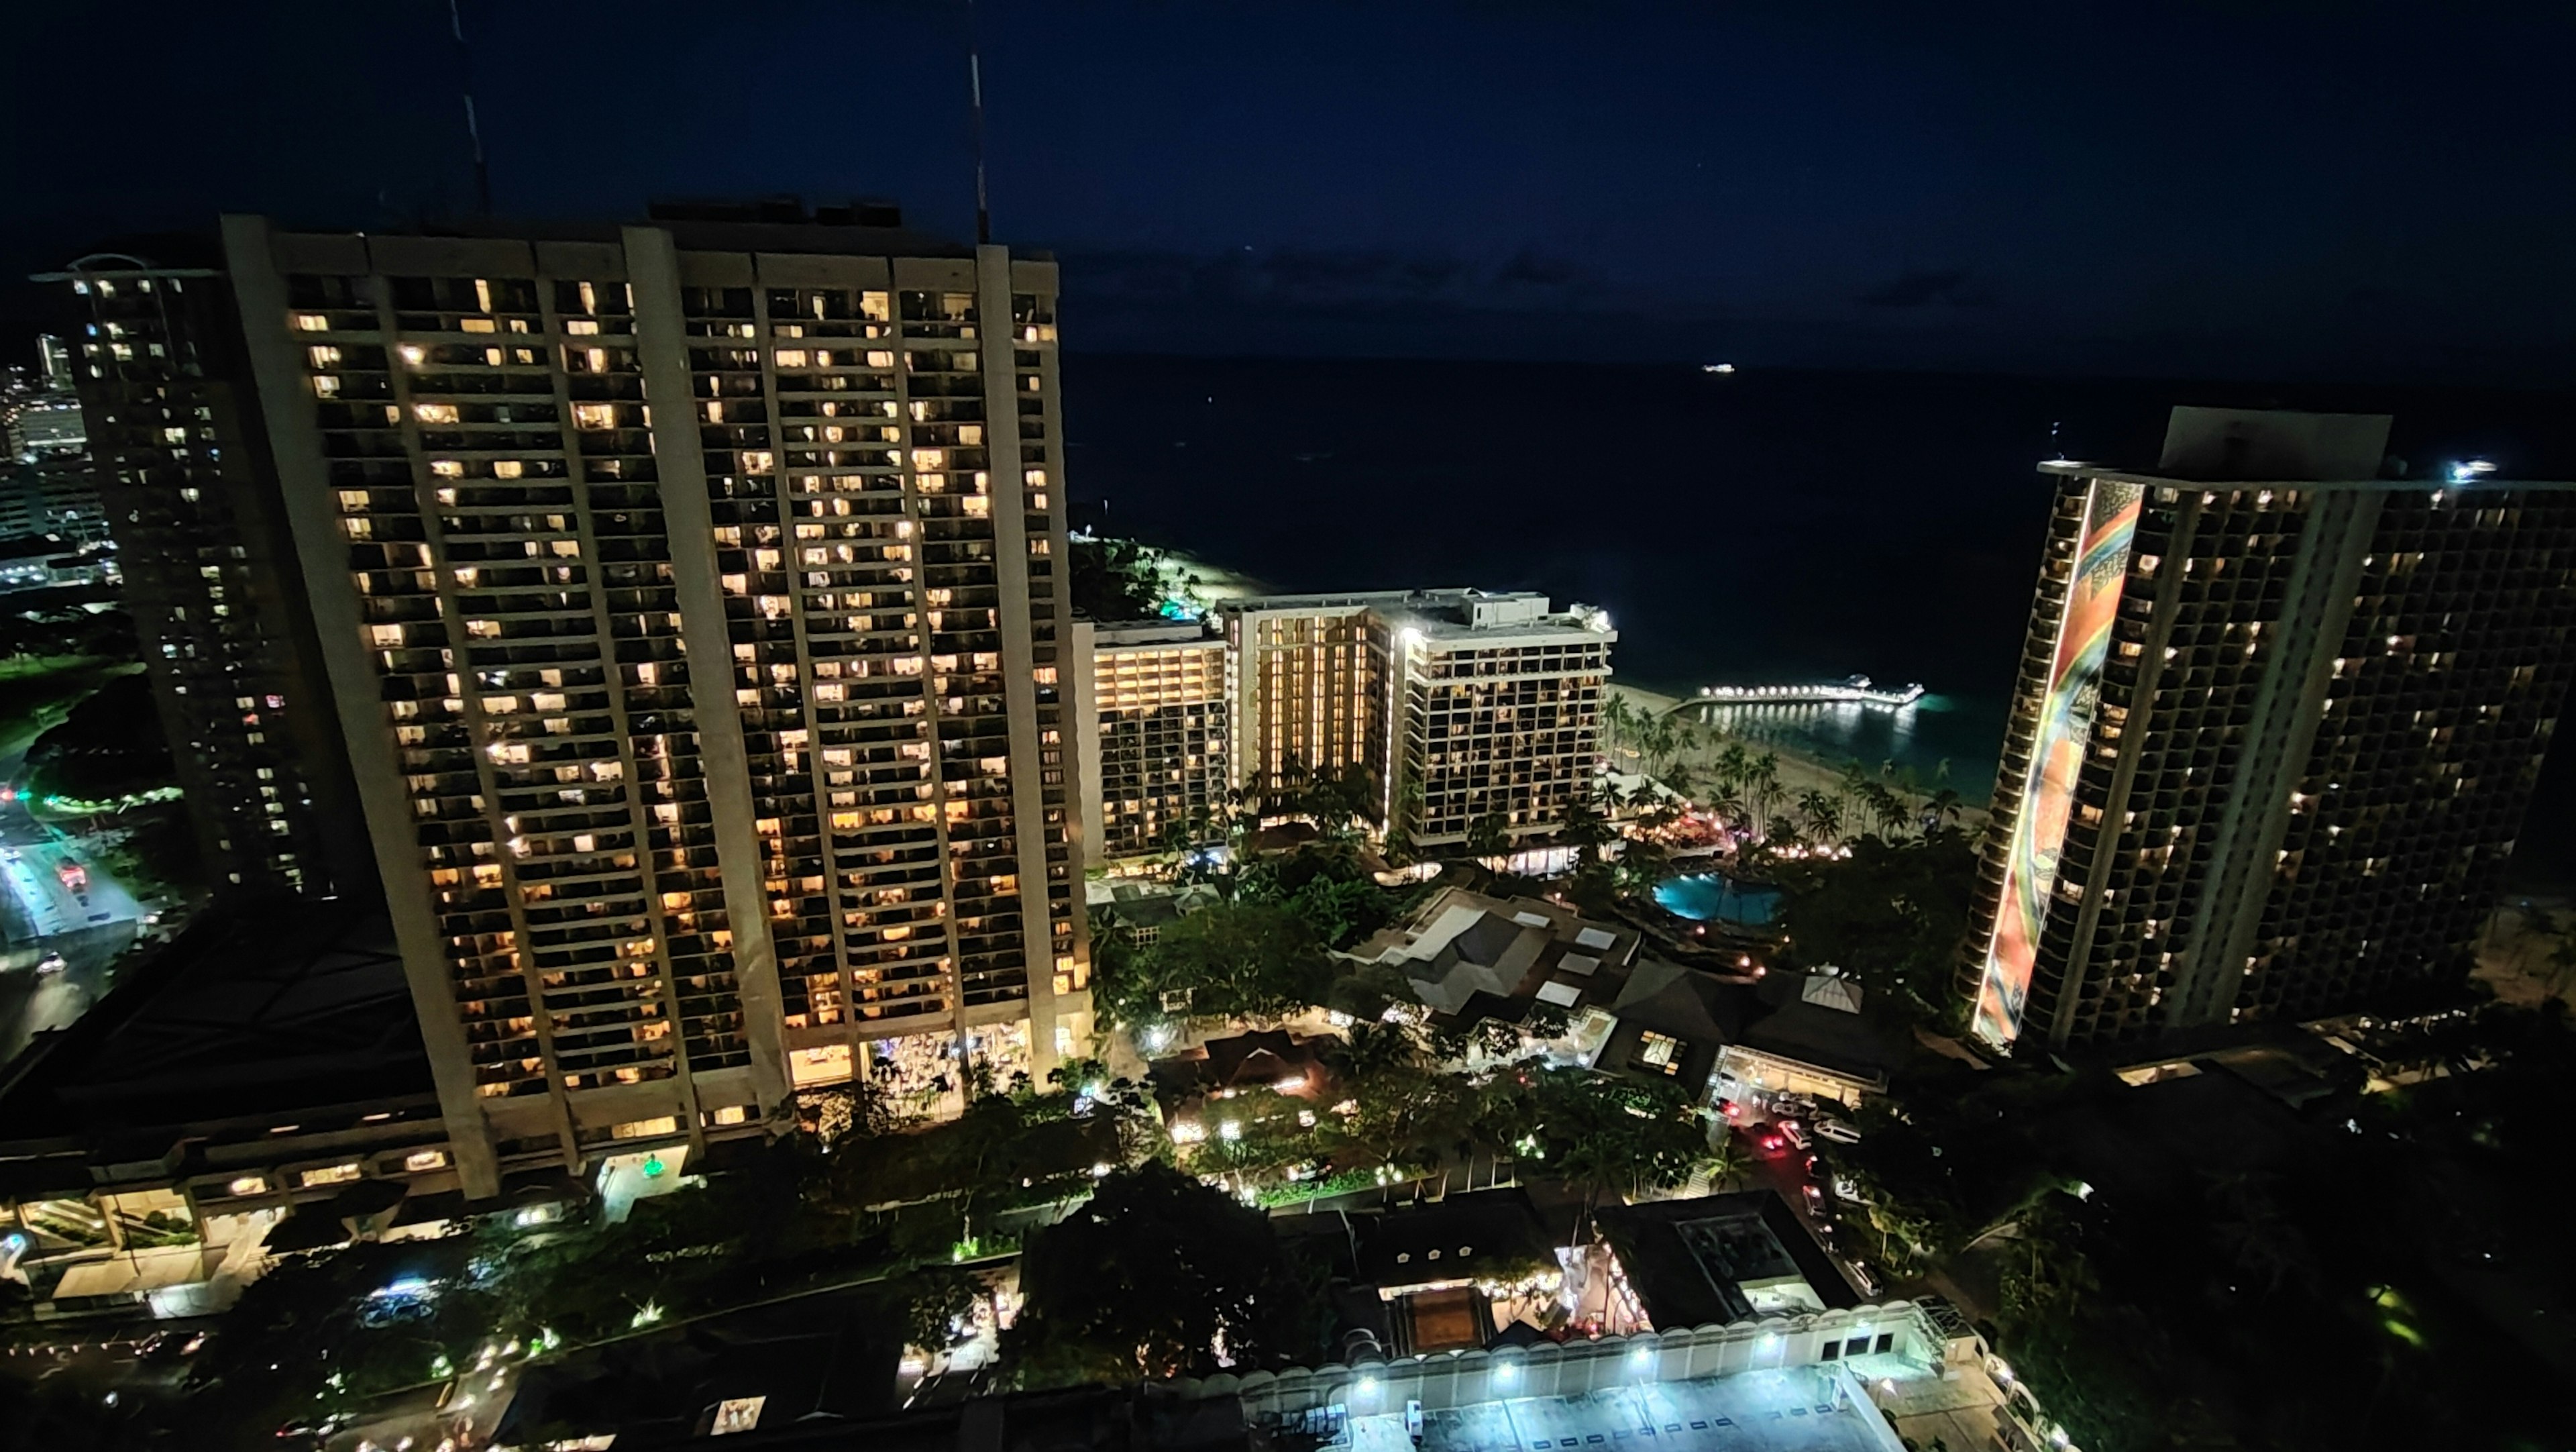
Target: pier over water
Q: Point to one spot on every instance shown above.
(1852, 690)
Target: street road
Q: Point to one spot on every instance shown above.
(86, 916)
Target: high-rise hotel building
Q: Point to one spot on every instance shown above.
(1153, 734)
(1494, 711)
(2277, 723)
(687, 596)
(1449, 706)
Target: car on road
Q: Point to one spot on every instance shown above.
(52, 963)
(1836, 1130)
(1790, 1131)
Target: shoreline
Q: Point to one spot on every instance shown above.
(1799, 771)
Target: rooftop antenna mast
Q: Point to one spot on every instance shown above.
(975, 80)
(473, 127)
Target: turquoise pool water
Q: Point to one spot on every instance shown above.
(1713, 897)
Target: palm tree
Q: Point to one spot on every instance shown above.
(1618, 718)
(1943, 806)
(1823, 815)
(1733, 767)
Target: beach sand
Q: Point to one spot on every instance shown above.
(1799, 772)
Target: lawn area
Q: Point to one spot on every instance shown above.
(37, 692)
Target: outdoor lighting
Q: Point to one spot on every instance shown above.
(1642, 1356)
(2468, 469)
(1367, 1385)
(1507, 1372)
(645, 1316)
(1229, 1130)
(1100, 1171)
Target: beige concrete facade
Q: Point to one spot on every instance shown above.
(1156, 762)
(1452, 705)
(689, 593)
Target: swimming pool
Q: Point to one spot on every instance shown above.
(1714, 897)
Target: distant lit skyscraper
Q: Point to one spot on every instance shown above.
(2277, 724)
(172, 438)
(688, 595)
(54, 363)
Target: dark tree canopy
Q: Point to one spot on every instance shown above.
(1151, 1278)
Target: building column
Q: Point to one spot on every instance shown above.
(1019, 663)
(304, 483)
(679, 462)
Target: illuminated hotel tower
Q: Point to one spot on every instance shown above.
(2276, 726)
(688, 595)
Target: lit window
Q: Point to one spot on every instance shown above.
(327, 385)
(247, 1185)
(419, 1160)
(413, 352)
(324, 356)
(313, 322)
(443, 413)
(328, 1175)
(594, 415)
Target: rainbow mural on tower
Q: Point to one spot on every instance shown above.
(2065, 726)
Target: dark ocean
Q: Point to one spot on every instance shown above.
(1756, 526)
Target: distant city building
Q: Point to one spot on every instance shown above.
(174, 434)
(43, 562)
(2276, 727)
(1154, 733)
(54, 363)
(47, 485)
(49, 423)
(1447, 706)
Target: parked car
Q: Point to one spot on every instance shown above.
(52, 963)
(1790, 1131)
(1836, 1130)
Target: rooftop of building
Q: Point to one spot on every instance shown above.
(1715, 1260)
(2236, 448)
(1461, 612)
(781, 224)
(1481, 1234)
(273, 1011)
(1459, 945)
(1129, 634)
(822, 1359)
(1824, 1020)
(1801, 1409)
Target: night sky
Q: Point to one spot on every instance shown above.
(2229, 188)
